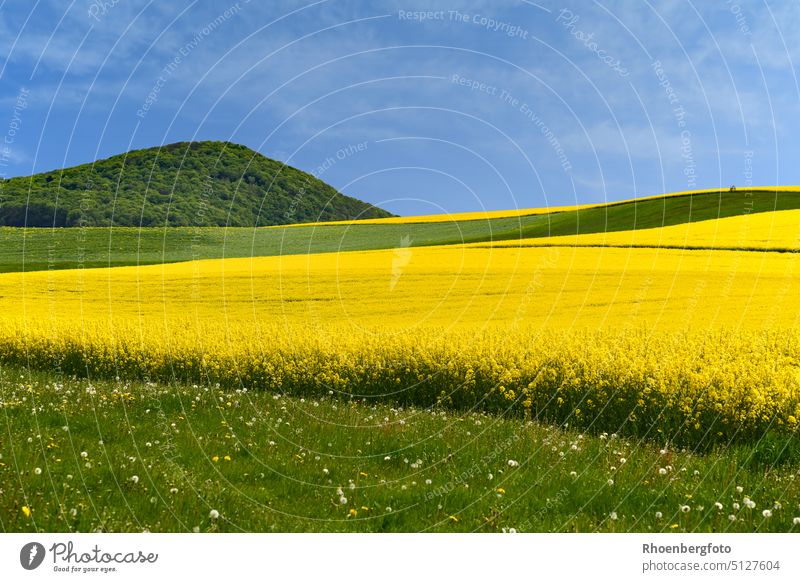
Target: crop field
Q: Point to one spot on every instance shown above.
(769, 231)
(42, 249)
(292, 387)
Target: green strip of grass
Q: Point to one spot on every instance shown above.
(41, 249)
(85, 456)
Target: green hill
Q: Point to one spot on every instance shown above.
(203, 183)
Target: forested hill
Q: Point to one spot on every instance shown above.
(205, 183)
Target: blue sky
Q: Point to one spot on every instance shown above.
(473, 105)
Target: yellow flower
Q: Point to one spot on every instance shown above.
(227, 457)
(26, 510)
(215, 458)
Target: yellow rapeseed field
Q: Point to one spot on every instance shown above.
(448, 287)
(778, 231)
(674, 344)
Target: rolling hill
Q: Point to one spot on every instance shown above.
(203, 183)
(63, 248)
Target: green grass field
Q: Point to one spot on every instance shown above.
(64, 248)
(108, 456)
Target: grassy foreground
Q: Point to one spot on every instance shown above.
(109, 456)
